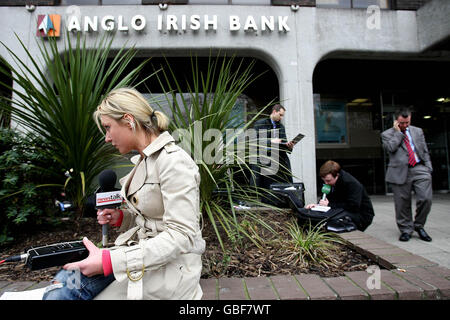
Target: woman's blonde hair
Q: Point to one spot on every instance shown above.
(123, 101)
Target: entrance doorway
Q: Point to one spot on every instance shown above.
(262, 91)
(368, 92)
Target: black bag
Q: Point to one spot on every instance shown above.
(306, 216)
(291, 195)
(335, 219)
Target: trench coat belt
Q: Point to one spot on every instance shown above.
(135, 272)
(124, 237)
(135, 255)
(142, 231)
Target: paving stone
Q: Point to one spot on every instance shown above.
(429, 291)
(4, 283)
(209, 287)
(346, 289)
(260, 288)
(404, 261)
(441, 283)
(403, 289)
(445, 272)
(379, 247)
(315, 287)
(39, 285)
(354, 235)
(361, 278)
(366, 247)
(369, 244)
(288, 288)
(391, 252)
(231, 289)
(17, 286)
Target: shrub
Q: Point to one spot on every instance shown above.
(55, 99)
(24, 172)
(209, 102)
(311, 244)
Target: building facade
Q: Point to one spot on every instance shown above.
(340, 67)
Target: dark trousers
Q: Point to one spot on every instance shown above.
(419, 180)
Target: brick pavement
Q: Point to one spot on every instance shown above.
(406, 277)
(404, 274)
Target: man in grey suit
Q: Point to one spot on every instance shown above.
(409, 169)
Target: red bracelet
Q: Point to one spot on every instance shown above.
(106, 262)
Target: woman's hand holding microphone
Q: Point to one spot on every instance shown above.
(108, 216)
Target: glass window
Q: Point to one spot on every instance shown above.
(252, 2)
(124, 2)
(79, 2)
(331, 120)
(383, 4)
(333, 3)
(165, 1)
(208, 1)
(241, 2)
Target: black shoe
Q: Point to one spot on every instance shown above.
(405, 237)
(423, 235)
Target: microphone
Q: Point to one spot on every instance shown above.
(107, 196)
(325, 190)
(107, 180)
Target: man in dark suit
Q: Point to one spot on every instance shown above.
(409, 169)
(275, 167)
(346, 193)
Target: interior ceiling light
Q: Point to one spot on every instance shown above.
(444, 100)
(360, 100)
(427, 117)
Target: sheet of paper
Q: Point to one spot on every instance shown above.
(321, 208)
(35, 294)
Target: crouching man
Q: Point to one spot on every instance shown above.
(346, 193)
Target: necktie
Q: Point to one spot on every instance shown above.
(411, 157)
(275, 131)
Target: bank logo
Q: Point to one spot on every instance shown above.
(48, 25)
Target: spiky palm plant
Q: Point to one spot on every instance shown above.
(55, 95)
(205, 125)
(311, 244)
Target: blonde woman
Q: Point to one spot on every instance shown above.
(158, 255)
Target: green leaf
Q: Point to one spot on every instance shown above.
(54, 96)
(209, 102)
(11, 178)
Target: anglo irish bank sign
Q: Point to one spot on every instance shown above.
(51, 25)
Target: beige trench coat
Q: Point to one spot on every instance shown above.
(159, 254)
